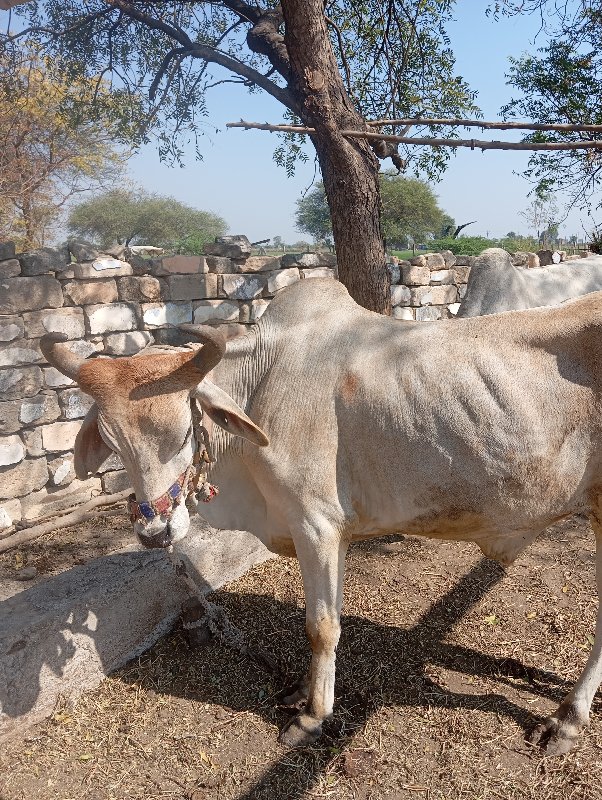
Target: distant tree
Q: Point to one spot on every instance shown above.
(541, 215)
(277, 241)
(409, 208)
(511, 235)
(46, 155)
(134, 216)
(448, 226)
(313, 215)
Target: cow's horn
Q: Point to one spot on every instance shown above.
(214, 346)
(56, 353)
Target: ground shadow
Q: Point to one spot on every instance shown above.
(376, 665)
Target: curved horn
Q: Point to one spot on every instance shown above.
(214, 346)
(58, 355)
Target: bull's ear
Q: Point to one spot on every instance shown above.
(90, 449)
(227, 414)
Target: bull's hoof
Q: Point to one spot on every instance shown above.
(555, 736)
(300, 731)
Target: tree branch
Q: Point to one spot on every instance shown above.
(477, 123)
(474, 144)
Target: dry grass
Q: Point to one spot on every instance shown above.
(444, 663)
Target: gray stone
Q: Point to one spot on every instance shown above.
(55, 379)
(548, 257)
(113, 482)
(32, 439)
(112, 463)
(46, 259)
(428, 314)
(11, 328)
(453, 308)
(7, 250)
(11, 450)
(215, 310)
(462, 291)
(9, 416)
(27, 476)
(419, 261)
(442, 276)
(127, 344)
(84, 348)
(116, 250)
(449, 258)
(435, 261)
(20, 382)
(142, 289)
(308, 260)
(229, 246)
(29, 294)
(461, 274)
(69, 321)
(25, 573)
(85, 293)
(400, 295)
(421, 296)
(464, 261)
(321, 272)
(81, 250)
(258, 264)
(61, 470)
(221, 265)
(59, 436)
(394, 271)
(10, 268)
(157, 315)
(532, 260)
(104, 267)
(176, 265)
(192, 287)
(415, 275)
(111, 317)
(243, 287)
(39, 410)
(443, 295)
(74, 403)
(403, 313)
(10, 512)
(23, 351)
(284, 277)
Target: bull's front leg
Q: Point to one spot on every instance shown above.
(558, 733)
(322, 561)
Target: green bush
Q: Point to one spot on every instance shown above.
(464, 245)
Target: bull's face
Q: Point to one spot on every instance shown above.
(142, 412)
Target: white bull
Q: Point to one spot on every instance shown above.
(483, 430)
(495, 284)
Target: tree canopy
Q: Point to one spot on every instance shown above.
(410, 209)
(330, 64)
(561, 83)
(130, 217)
(45, 156)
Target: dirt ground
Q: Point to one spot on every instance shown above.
(445, 662)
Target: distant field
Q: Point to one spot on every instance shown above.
(403, 254)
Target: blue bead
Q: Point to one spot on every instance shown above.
(146, 510)
(174, 491)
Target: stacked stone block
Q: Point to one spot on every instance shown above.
(106, 306)
(429, 286)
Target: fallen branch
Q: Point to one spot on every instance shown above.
(81, 514)
(474, 144)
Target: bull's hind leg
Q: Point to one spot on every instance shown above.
(322, 560)
(558, 733)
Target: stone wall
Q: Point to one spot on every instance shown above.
(106, 306)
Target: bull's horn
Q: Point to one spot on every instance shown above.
(58, 355)
(214, 346)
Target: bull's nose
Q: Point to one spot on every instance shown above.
(161, 539)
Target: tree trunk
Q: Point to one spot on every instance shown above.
(349, 168)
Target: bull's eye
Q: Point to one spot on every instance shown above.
(224, 420)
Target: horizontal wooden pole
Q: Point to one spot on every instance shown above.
(473, 144)
(501, 126)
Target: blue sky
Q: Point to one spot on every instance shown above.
(239, 180)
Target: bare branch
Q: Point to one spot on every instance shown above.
(474, 144)
(477, 123)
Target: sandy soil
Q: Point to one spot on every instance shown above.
(445, 662)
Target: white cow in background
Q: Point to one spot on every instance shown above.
(495, 284)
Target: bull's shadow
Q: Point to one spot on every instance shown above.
(395, 659)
